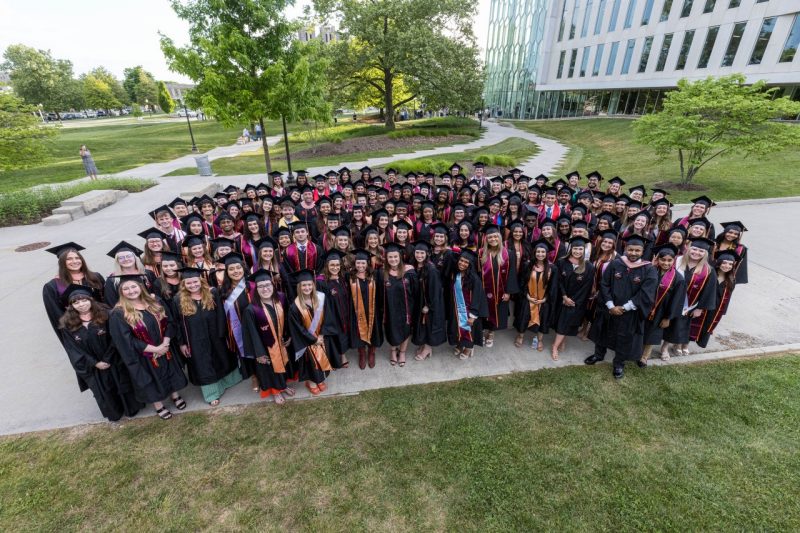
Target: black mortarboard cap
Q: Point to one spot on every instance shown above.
(666, 249)
(617, 179)
(702, 221)
(262, 274)
(341, 231)
(734, 225)
(578, 241)
(594, 174)
(152, 233)
(393, 247)
(422, 245)
(361, 254)
(543, 243)
(332, 255)
(177, 201)
(193, 240)
(160, 209)
(220, 242)
(191, 272)
(233, 257)
(705, 200)
(491, 228)
(703, 242)
(61, 248)
(123, 246)
(74, 291)
(638, 188)
(402, 224)
(636, 240)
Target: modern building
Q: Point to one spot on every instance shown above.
(565, 58)
(176, 90)
(326, 34)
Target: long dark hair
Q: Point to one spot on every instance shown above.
(92, 278)
(71, 320)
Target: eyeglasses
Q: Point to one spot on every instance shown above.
(125, 256)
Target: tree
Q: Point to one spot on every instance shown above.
(99, 90)
(38, 78)
(165, 101)
(140, 86)
(715, 117)
(113, 83)
(427, 46)
(22, 135)
(234, 47)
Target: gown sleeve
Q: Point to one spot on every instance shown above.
(52, 307)
(130, 348)
(300, 335)
(645, 297)
(110, 292)
(741, 268)
(82, 361)
(252, 339)
(479, 306)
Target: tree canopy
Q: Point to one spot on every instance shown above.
(713, 117)
(101, 90)
(140, 86)
(38, 78)
(165, 101)
(405, 49)
(22, 135)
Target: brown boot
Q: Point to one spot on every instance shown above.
(371, 357)
(362, 358)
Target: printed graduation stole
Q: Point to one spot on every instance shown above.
(537, 285)
(494, 282)
(461, 305)
(664, 285)
(272, 336)
(693, 291)
(365, 317)
(313, 323)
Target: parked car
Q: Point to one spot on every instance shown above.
(90, 114)
(182, 113)
(101, 113)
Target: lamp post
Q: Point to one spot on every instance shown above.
(189, 123)
(147, 103)
(286, 144)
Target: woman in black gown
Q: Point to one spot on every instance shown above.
(428, 329)
(366, 295)
(333, 283)
(92, 355)
(575, 279)
(400, 290)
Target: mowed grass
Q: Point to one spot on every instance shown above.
(426, 129)
(607, 145)
(120, 147)
(506, 154)
(685, 447)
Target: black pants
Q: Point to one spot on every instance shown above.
(600, 351)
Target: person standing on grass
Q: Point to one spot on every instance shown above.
(88, 162)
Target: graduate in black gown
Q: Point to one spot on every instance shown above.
(127, 261)
(429, 329)
(332, 281)
(668, 303)
(727, 274)
(141, 331)
(537, 292)
(366, 295)
(201, 334)
(574, 286)
(467, 304)
(266, 337)
(306, 323)
(92, 355)
(730, 239)
(627, 291)
(400, 291)
(72, 269)
(236, 295)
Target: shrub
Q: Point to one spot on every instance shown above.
(29, 206)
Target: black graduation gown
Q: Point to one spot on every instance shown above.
(150, 383)
(337, 323)
(246, 362)
(112, 387)
(308, 368)
(205, 333)
(680, 328)
(51, 296)
(522, 312)
(429, 328)
(376, 340)
(399, 294)
(258, 338)
(620, 284)
(445, 263)
(111, 290)
(567, 320)
(669, 308)
(723, 300)
(475, 298)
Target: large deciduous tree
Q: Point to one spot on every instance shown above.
(101, 90)
(714, 117)
(38, 78)
(233, 48)
(22, 135)
(428, 47)
(140, 86)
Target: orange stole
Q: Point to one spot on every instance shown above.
(365, 319)
(536, 289)
(317, 352)
(277, 352)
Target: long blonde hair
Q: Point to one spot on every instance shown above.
(298, 300)
(132, 315)
(487, 253)
(187, 303)
(118, 268)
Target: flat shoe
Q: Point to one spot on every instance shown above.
(322, 387)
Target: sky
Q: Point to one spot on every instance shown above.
(115, 33)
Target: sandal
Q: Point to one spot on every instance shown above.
(163, 413)
(466, 354)
(402, 359)
(346, 364)
(539, 345)
(180, 405)
(457, 351)
(519, 340)
(312, 390)
(489, 341)
(214, 403)
(279, 399)
(554, 354)
(322, 387)
(393, 357)
(288, 391)
(665, 354)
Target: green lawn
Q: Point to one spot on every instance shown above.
(120, 147)
(497, 157)
(685, 447)
(607, 145)
(427, 130)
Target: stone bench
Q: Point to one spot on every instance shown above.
(82, 205)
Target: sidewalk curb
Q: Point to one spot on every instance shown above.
(753, 201)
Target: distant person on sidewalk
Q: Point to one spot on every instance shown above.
(88, 162)
(258, 132)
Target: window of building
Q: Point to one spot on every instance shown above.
(686, 10)
(629, 14)
(574, 20)
(612, 23)
(626, 61)
(648, 10)
(612, 58)
(708, 47)
(665, 11)
(561, 57)
(662, 56)
(601, 11)
(586, 15)
(584, 61)
(572, 58)
(792, 42)
(648, 44)
(561, 25)
(598, 58)
(733, 44)
(688, 37)
(734, 3)
(709, 7)
(763, 40)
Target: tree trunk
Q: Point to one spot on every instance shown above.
(381, 114)
(266, 149)
(388, 99)
(683, 173)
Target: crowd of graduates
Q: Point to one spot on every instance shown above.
(285, 283)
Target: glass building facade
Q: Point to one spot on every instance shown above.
(571, 58)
